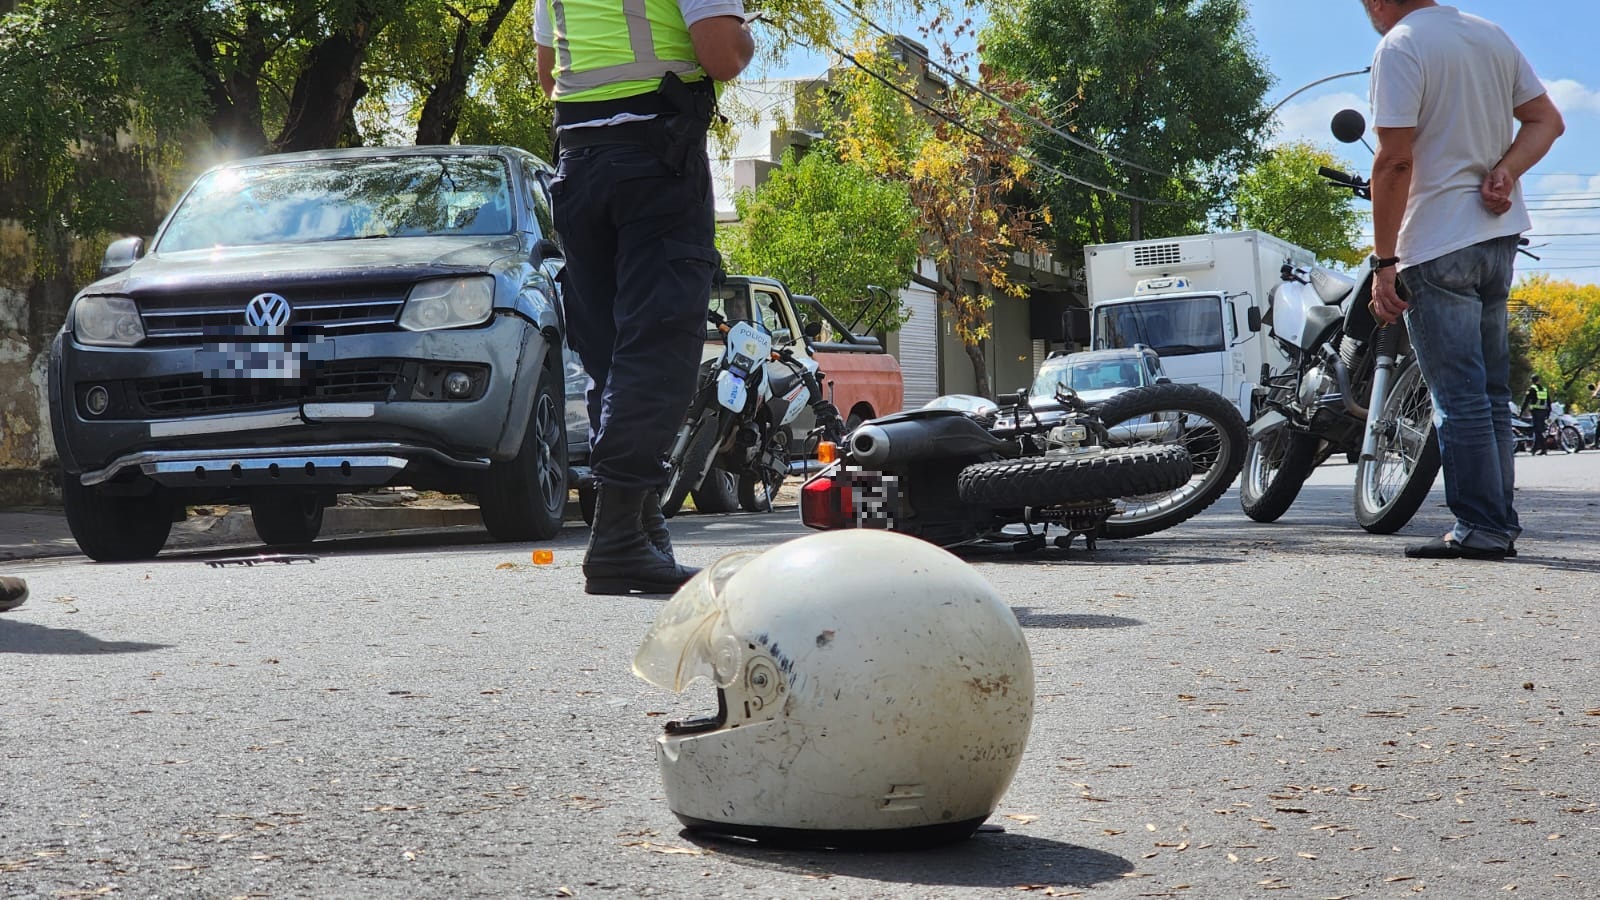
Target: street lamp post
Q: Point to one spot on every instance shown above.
(1302, 89)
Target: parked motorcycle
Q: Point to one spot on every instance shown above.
(1521, 432)
(736, 422)
(1351, 386)
(966, 470)
(1564, 433)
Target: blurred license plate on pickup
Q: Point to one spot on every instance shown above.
(265, 360)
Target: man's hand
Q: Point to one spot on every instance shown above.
(1496, 190)
(1386, 302)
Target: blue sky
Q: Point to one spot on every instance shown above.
(1304, 40)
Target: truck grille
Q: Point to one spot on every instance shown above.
(186, 395)
(188, 318)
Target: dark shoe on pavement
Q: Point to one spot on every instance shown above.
(13, 593)
(1445, 548)
(620, 558)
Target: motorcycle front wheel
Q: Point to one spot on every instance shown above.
(1391, 487)
(1571, 439)
(1200, 421)
(686, 470)
(1275, 468)
(758, 485)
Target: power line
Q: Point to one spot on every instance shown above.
(990, 140)
(959, 79)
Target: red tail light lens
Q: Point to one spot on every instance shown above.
(825, 502)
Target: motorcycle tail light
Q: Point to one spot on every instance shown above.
(825, 502)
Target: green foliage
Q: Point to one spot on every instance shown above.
(827, 229)
(1283, 195)
(1173, 85)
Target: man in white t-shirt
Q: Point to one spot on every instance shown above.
(1447, 213)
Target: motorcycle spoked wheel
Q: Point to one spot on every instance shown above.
(1571, 439)
(1200, 421)
(759, 484)
(1098, 473)
(1275, 468)
(704, 437)
(1390, 488)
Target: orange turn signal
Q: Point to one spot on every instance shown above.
(543, 557)
(827, 452)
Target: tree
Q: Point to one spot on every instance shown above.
(827, 229)
(1564, 329)
(1284, 196)
(1172, 89)
(957, 152)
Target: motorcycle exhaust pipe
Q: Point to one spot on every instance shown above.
(1341, 372)
(869, 446)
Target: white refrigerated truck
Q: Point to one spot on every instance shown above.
(1198, 300)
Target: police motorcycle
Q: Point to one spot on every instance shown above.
(966, 470)
(1352, 386)
(737, 421)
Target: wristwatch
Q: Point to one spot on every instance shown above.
(1384, 262)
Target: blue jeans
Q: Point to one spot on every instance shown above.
(1457, 322)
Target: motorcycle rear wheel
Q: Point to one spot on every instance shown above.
(1390, 488)
(1096, 474)
(1202, 422)
(1275, 468)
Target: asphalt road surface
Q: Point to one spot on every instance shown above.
(1224, 710)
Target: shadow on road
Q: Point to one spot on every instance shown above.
(1027, 618)
(993, 860)
(39, 640)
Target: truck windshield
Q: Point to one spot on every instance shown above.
(342, 199)
(1180, 326)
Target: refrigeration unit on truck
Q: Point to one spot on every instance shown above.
(1197, 300)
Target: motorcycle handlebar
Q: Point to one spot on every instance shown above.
(1335, 175)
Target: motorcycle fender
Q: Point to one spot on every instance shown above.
(1268, 422)
(731, 391)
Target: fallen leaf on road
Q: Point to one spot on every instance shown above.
(1024, 818)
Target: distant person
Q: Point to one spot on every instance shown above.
(1536, 407)
(13, 593)
(1447, 212)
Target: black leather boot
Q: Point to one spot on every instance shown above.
(620, 558)
(655, 528)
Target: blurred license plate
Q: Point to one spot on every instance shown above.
(262, 359)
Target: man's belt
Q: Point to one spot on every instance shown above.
(647, 134)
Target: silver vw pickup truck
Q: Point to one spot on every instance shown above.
(312, 324)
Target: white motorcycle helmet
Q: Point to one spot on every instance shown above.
(874, 691)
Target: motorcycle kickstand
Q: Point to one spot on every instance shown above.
(1065, 542)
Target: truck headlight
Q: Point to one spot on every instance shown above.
(107, 321)
(448, 303)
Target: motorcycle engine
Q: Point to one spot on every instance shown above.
(1318, 381)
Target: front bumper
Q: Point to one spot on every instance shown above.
(365, 406)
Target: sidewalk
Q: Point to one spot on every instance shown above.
(41, 532)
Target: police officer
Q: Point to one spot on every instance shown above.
(633, 84)
(1536, 405)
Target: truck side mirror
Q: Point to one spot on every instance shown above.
(547, 249)
(1252, 318)
(120, 255)
(812, 330)
(1075, 325)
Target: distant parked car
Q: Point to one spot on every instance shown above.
(1098, 375)
(1587, 423)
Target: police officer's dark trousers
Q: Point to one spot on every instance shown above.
(640, 255)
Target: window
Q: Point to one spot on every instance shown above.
(1180, 326)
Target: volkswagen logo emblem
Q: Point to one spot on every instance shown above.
(267, 311)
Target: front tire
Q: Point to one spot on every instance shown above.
(1275, 468)
(1200, 421)
(1390, 488)
(525, 497)
(1097, 474)
(1571, 439)
(111, 528)
(287, 517)
(695, 462)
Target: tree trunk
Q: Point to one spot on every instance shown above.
(980, 368)
(441, 112)
(235, 117)
(1135, 220)
(325, 93)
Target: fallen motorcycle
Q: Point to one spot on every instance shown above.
(965, 470)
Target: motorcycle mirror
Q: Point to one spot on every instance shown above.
(1349, 126)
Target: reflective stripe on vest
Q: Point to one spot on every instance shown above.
(607, 68)
(1541, 397)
